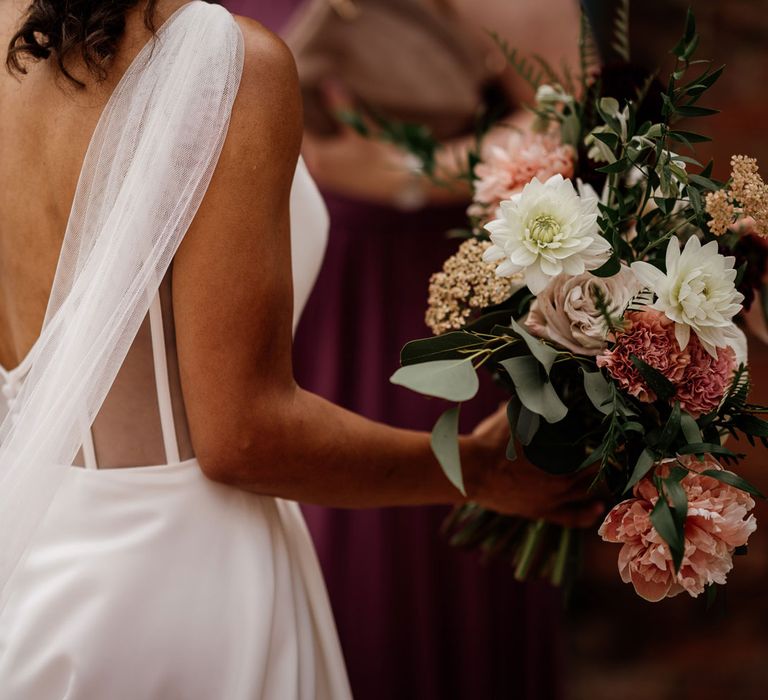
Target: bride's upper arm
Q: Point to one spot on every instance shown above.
(232, 289)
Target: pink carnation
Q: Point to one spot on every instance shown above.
(506, 169)
(706, 379)
(700, 380)
(718, 522)
(649, 335)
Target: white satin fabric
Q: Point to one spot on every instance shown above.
(154, 583)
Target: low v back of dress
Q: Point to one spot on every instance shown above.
(143, 579)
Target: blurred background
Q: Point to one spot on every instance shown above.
(605, 642)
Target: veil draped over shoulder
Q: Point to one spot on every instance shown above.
(147, 168)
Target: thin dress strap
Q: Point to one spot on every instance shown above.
(162, 383)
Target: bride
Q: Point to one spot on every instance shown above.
(149, 282)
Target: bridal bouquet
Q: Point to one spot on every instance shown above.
(601, 282)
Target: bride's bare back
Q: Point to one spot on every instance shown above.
(46, 126)
(46, 123)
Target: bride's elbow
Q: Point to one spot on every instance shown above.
(241, 458)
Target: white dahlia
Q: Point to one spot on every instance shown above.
(545, 230)
(697, 292)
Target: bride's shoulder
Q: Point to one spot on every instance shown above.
(269, 95)
(268, 61)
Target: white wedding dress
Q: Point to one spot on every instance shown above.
(142, 579)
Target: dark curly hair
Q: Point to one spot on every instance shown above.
(64, 29)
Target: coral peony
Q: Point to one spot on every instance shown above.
(718, 522)
(700, 379)
(566, 313)
(506, 169)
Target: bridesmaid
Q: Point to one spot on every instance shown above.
(417, 619)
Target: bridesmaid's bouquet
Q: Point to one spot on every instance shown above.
(601, 280)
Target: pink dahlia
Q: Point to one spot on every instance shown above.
(700, 380)
(506, 169)
(649, 335)
(718, 522)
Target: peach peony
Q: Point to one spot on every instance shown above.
(718, 522)
(565, 311)
(506, 169)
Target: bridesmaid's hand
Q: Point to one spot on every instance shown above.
(520, 488)
(368, 169)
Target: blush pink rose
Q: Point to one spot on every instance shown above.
(505, 169)
(719, 521)
(565, 312)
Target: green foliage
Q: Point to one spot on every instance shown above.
(531, 70)
(452, 380)
(445, 446)
(534, 389)
(657, 382)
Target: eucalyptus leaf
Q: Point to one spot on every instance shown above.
(570, 129)
(599, 392)
(439, 347)
(445, 446)
(453, 380)
(609, 106)
(513, 414)
(527, 425)
(545, 354)
(533, 389)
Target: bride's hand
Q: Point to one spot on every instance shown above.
(520, 488)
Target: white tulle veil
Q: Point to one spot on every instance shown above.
(145, 173)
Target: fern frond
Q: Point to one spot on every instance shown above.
(547, 70)
(736, 400)
(524, 67)
(640, 301)
(589, 56)
(620, 39)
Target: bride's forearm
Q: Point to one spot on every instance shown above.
(307, 449)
